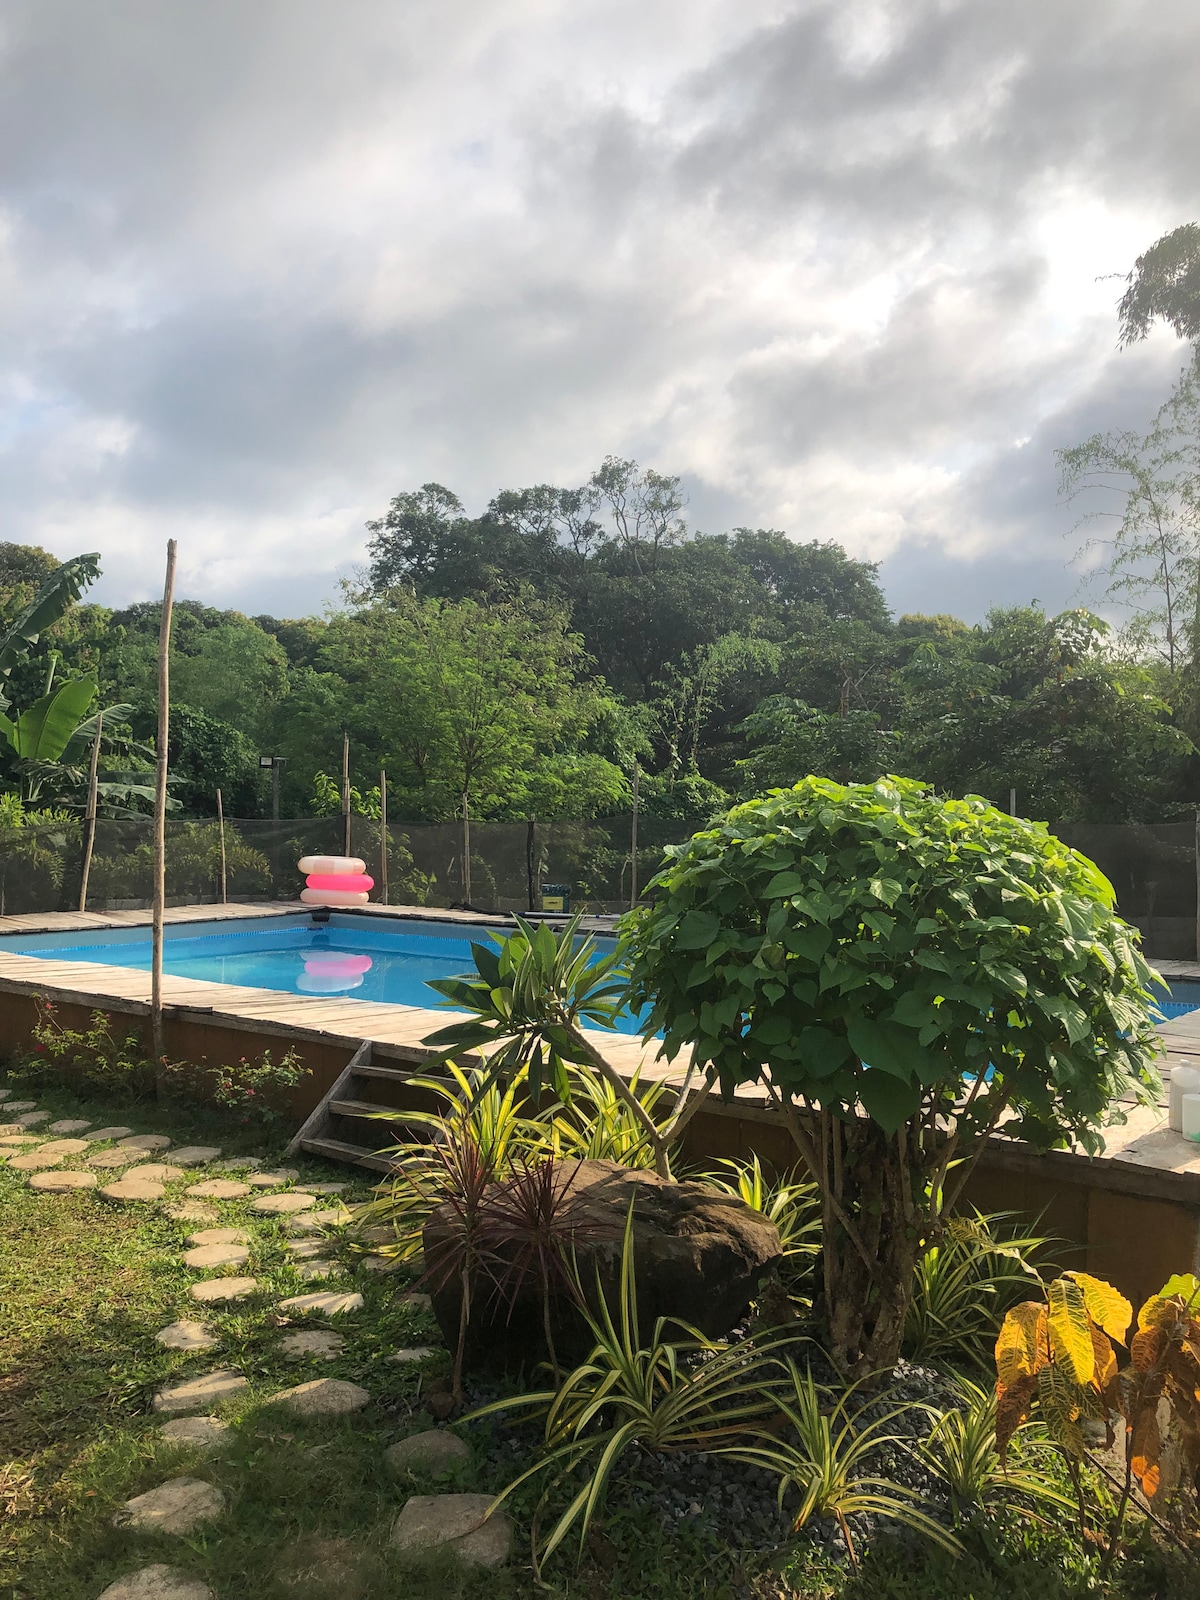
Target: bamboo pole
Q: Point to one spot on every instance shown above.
(89, 827)
(345, 794)
(633, 844)
(466, 851)
(160, 804)
(383, 838)
(221, 834)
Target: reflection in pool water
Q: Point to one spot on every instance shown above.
(332, 972)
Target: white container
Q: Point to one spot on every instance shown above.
(1185, 1079)
(1191, 1116)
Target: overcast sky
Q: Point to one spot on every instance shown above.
(264, 263)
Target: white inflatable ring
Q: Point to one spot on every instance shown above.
(344, 865)
(333, 897)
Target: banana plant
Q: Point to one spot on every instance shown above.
(44, 730)
(59, 592)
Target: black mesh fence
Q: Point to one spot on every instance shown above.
(514, 866)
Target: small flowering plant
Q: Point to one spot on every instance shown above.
(257, 1091)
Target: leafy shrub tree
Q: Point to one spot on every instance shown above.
(900, 972)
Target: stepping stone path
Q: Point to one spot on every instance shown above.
(32, 1119)
(194, 1155)
(326, 1188)
(239, 1164)
(109, 1133)
(62, 1182)
(218, 1189)
(428, 1454)
(158, 1582)
(333, 1305)
(5, 1094)
(177, 1506)
(272, 1180)
(113, 1158)
(219, 1236)
(192, 1211)
(416, 1352)
(64, 1147)
(322, 1397)
(68, 1125)
(417, 1300)
(185, 1335)
(10, 1130)
(23, 1105)
(154, 1172)
(456, 1522)
(194, 1394)
(278, 1205)
(302, 1249)
(379, 1264)
(129, 1189)
(35, 1161)
(310, 1270)
(216, 1255)
(317, 1345)
(329, 1568)
(331, 1217)
(146, 1141)
(199, 1433)
(213, 1290)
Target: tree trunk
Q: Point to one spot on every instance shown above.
(867, 1260)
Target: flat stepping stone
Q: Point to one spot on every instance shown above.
(316, 1346)
(380, 1264)
(154, 1172)
(272, 1180)
(281, 1205)
(62, 1182)
(455, 1522)
(32, 1119)
(428, 1454)
(417, 1300)
(326, 1188)
(415, 1352)
(192, 1211)
(35, 1161)
(322, 1397)
(126, 1190)
(113, 1158)
(68, 1125)
(310, 1270)
(239, 1164)
(22, 1105)
(109, 1133)
(213, 1290)
(332, 1304)
(146, 1141)
(185, 1335)
(218, 1189)
(177, 1506)
(197, 1433)
(194, 1394)
(5, 1094)
(302, 1249)
(330, 1217)
(158, 1582)
(219, 1236)
(64, 1147)
(205, 1256)
(195, 1155)
(10, 1130)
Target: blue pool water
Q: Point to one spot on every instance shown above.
(1180, 997)
(347, 956)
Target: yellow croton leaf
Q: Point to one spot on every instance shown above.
(1070, 1330)
(1021, 1343)
(1106, 1306)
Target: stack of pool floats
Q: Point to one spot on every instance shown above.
(335, 881)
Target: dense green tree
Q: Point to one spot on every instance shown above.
(1165, 286)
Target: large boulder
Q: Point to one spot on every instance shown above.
(700, 1257)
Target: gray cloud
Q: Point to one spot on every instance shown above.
(836, 262)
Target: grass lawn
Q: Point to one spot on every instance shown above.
(85, 1285)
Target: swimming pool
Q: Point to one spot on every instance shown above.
(1181, 996)
(351, 956)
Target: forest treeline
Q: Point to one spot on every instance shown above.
(525, 660)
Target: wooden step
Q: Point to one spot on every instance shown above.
(339, 1150)
(366, 1108)
(392, 1074)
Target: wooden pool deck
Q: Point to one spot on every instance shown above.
(1142, 1159)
